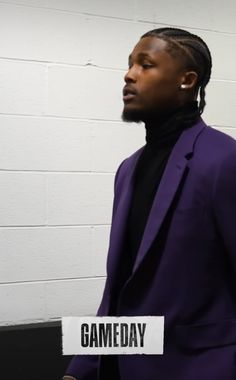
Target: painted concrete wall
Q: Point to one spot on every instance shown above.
(62, 65)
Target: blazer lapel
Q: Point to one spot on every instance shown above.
(168, 187)
(118, 226)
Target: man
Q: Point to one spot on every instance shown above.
(172, 245)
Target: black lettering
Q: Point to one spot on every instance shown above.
(124, 335)
(109, 325)
(84, 335)
(133, 336)
(93, 336)
(104, 333)
(141, 328)
(115, 333)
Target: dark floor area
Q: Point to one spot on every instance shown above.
(32, 353)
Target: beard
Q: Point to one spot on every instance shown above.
(140, 115)
(149, 114)
(132, 115)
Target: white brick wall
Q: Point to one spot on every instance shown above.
(62, 65)
(23, 87)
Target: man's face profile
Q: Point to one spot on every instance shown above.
(152, 80)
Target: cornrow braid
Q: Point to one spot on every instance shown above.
(193, 50)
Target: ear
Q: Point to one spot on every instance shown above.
(189, 80)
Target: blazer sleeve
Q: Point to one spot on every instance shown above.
(224, 204)
(85, 367)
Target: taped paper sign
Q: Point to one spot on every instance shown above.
(112, 335)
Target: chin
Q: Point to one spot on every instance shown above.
(132, 115)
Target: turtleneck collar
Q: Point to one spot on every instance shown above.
(171, 125)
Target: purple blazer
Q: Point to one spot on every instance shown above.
(194, 286)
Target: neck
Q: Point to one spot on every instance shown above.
(165, 128)
(161, 118)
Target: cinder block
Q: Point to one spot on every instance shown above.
(196, 14)
(221, 101)
(23, 199)
(32, 143)
(22, 303)
(80, 199)
(23, 87)
(33, 254)
(113, 40)
(85, 92)
(112, 8)
(108, 8)
(113, 142)
(99, 250)
(73, 298)
(43, 35)
(53, 144)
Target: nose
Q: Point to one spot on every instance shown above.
(131, 75)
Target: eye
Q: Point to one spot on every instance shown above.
(147, 65)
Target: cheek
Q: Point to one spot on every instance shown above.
(166, 88)
(163, 81)
(161, 90)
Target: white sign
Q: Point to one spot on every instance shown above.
(112, 335)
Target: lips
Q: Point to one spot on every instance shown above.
(129, 93)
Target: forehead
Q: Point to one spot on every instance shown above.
(150, 45)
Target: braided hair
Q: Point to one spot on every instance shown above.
(194, 52)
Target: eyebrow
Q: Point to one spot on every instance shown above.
(140, 55)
